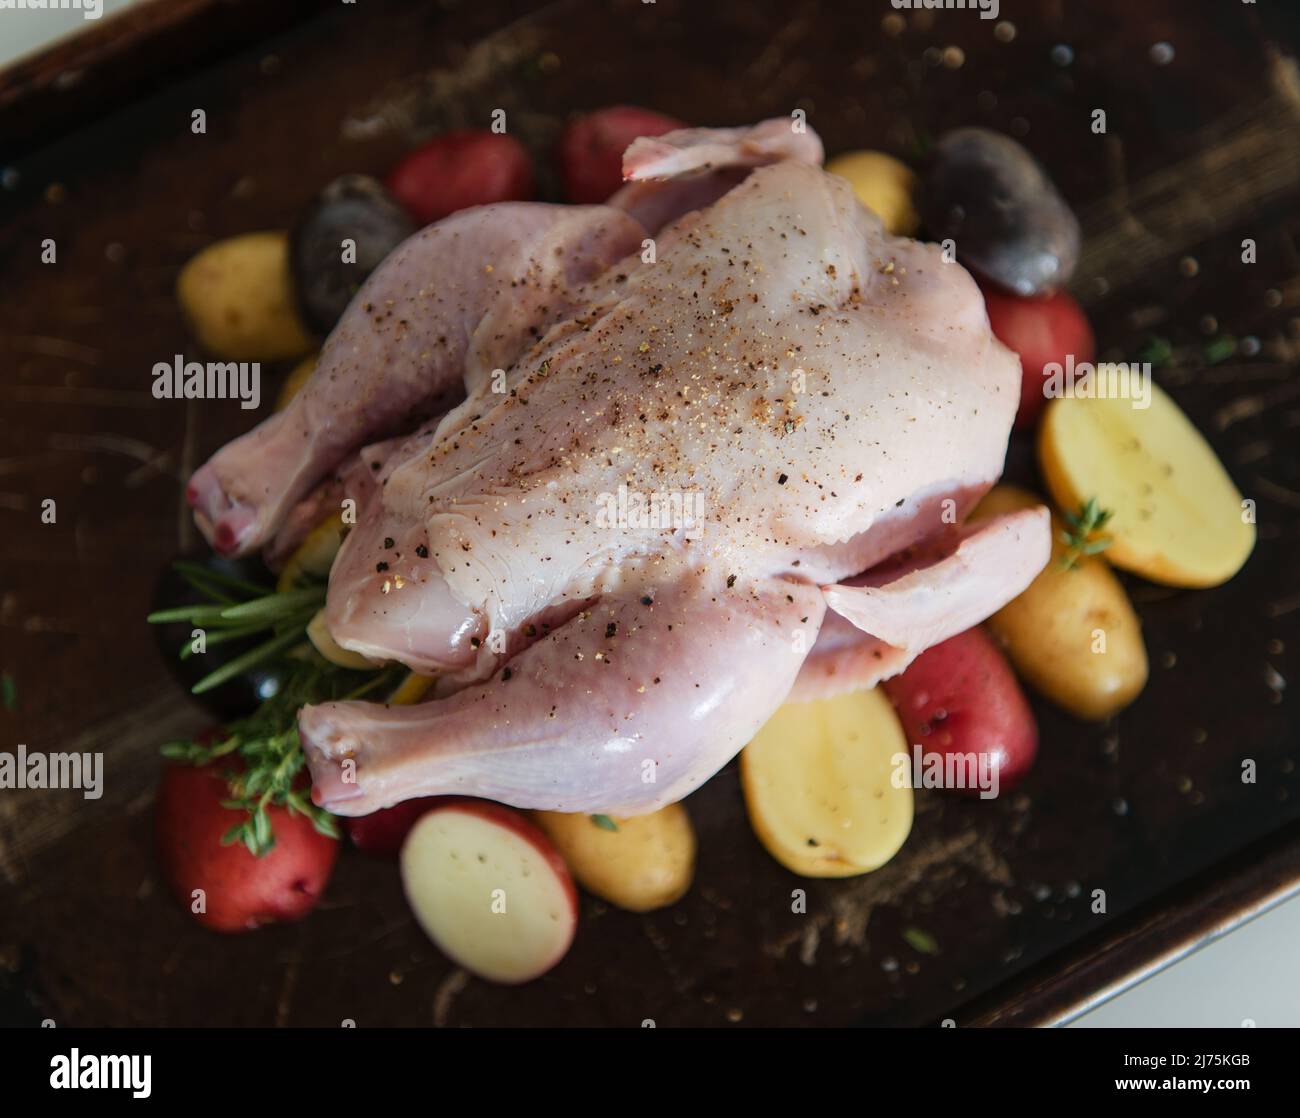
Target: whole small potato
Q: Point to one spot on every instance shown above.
(1072, 634)
(647, 863)
(960, 702)
(984, 191)
(238, 298)
(1041, 332)
(591, 148)
(238, 890)
(882, 184)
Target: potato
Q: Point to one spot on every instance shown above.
(314, 556)
(647, 863)
(1177, 517)
(883, 184)
(591, 148)
(382, 832)
(410, 690)
(473, 167)
(324, 643)
(238, 299)
(298, 376)
(960, 702)
(1072, 635)
(489, 889)
(819, 787)
(239, 890)
(1041, 331)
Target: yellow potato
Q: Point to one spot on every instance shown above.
(646, 864)
(819, 785)
(293, 383)
(238, 298)
(1072, 634)
(1178, 519)
(328, 647)
(315, 555)
(882, 184)
(410, 690)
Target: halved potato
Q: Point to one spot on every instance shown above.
(1177, 517)
(818, 782)
(1072, 634)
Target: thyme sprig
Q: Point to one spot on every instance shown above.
(1082, 536)
(265, 743)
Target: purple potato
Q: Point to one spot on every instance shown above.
(352, 207)
(986, 192)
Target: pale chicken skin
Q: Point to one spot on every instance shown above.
(816, 404)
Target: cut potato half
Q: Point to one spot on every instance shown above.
(490, 890)
(1177, 517)
(819, 789)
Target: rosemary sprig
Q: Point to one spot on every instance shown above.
(223, 617)
(265, 743)
(1082, 537)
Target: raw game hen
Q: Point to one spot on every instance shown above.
(701, 424)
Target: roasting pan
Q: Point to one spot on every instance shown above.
(1150, 808)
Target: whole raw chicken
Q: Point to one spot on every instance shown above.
(718, 441)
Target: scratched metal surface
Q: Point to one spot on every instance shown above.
(1199, 154)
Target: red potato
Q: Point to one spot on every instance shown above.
(461, 169)
(591, 149)
(1041, 331)
(490, 890)
(960, 699)
(383, 832)
(240, 891)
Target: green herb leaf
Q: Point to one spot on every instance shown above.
(1156, 353)
(265, 743)
(1082, 538)
(921, 941)
(604, 822)
(1220, 349)
(241, 664)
